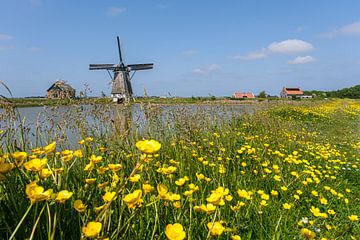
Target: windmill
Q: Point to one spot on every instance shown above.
(121, 86)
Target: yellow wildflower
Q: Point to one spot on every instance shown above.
(90, 180)
(148, 146)
(6, 167)
(216, 228)
(286, 206)
(147, 188)
(36, 164)
(79, 206)
(235, 237)
(308, 234)
(353, 218)
(78, 153)
(45, 173)
(36, 193)
(49, 148)
(135, 178)
(19, 157)
(114, 167)
(175, 232)
(109, 196)
(133, 199)
(63, 195)
(92, 229)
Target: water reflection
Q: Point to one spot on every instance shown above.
(36, 126)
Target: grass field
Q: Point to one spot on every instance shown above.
(287, 171)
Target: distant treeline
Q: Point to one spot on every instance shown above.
(352, 92)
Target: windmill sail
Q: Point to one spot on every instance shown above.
(121, 88)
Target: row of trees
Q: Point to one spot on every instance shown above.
(352, 92)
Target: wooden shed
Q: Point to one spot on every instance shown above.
(60, 90)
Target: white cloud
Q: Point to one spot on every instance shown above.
(352, 29)
(115, 11)
(261, 54)
(5, 37)
(290, 46)
(206, 70)
(302, 60)
(189, 52)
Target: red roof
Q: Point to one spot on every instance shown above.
(243, 95)
(293, 91)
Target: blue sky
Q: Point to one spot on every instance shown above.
(199, 48)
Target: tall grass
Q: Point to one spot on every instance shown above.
(262, 170)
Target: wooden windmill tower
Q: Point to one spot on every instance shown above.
(121, 86)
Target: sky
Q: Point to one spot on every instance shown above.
(199, 48)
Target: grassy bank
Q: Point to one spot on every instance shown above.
(287, 172)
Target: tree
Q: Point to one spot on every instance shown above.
(262, 94)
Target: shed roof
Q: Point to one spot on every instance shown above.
(62, 85)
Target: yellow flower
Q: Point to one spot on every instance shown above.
(45, 173)
(6, 167)
(209, 208)
(216, 229)
(284, 188)
(63, 195)
(175, 232)
(147, 188)
(89, 139)
(180, 181)
(114, 167)
(244, 194)
(79, 206)
(78, 153)
(135, 178)
(331, 212)
(148, 146)
(49, 148)
(36, 164)
(167, 170)
(90, 180)
(217, 196)
(235, 237)
(286, 206)
(353, 218)
(323, 201)
(277, 178)
(177, 204)
(92, 229)
(109, 196)
(308, 234)
(274, 193)
(19, 157)
(133, 199)
(95, 159)
(36, 193)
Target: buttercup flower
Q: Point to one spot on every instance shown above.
(148, 146)
(216, 229)
(175, 232)
(63, 195)
(92, 229)
(79, 206)
(133, 199)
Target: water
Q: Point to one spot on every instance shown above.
(37, 126)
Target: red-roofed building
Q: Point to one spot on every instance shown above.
(243, 95)
(291, 92)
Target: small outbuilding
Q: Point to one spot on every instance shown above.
(60, 90)
(243, 95)
(290, 92)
